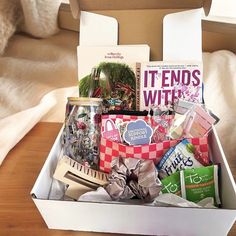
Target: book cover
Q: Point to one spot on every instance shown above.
(163, 82)
(108, 72)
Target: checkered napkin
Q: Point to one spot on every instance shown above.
(154, 151)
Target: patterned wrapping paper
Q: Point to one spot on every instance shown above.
(154, 151)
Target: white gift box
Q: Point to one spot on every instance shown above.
(137, 219)
(127, 218)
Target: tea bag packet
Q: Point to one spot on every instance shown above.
(200, 183)
(171, 184)
(182, 106)
(217, 119)
(179, 157)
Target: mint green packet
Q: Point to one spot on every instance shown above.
(200, 183)
(171, 184)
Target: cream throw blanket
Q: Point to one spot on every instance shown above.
(220, 95)
(36, 76)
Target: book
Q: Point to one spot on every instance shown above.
(108, 72)
(160, 82)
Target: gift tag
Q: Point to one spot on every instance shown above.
(111, 131)
(138, 132)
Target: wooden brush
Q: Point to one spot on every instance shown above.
(79, 178)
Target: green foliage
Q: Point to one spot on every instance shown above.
(114, 72)
(84, 85)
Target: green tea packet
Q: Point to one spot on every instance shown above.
(200, 183)
(171, 184)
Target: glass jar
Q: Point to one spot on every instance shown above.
(81, 134)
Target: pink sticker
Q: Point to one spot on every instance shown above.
(111, 132)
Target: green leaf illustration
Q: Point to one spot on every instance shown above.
(190, 148)
(82, 115)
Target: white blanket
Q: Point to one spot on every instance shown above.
(36, 76)
(220, 95)
(29, 70)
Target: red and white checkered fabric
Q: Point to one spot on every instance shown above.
(153, 151)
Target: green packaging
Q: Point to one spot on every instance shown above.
(200, 183)
(171, 184)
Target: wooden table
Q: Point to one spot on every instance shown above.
(18, 214)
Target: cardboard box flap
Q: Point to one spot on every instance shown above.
(92, 5)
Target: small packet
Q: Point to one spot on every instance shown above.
(161, 128)
(198, 122)
(176, 130)
(159, 134)
(181, 156)
(171, 184)
(121, 125)
(200, 183)
(160, 123)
